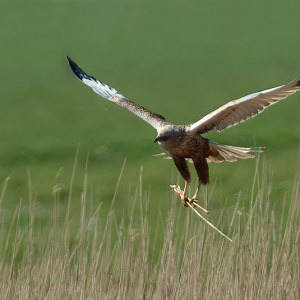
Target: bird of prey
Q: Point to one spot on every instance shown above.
(185, 142)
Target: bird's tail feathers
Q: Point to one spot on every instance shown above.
(219, 153)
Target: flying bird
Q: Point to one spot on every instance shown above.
(185, 142)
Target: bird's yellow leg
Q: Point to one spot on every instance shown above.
(194, 199)
(183, 196)
(181, 192)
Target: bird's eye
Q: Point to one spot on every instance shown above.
(164, 138)
(161, 139)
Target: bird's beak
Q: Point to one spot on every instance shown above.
(156, 139)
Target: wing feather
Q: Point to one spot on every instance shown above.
(113, 95)
(239, 110)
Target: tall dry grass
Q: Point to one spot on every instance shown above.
(194, 262)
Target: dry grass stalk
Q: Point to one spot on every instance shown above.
(177, 189)
(114, 261)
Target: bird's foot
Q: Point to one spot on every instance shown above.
(194, 202)
(183, 197)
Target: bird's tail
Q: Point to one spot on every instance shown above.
(219, 153)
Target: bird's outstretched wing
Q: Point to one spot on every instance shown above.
(113, 95)
(239, 110)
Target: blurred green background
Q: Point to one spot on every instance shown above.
(181, 59)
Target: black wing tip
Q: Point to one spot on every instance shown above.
(80, 74)
(70, 61)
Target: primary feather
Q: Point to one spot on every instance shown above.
(102, 89)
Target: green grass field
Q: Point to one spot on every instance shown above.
(181, 59)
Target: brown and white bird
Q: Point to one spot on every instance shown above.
(184, 142)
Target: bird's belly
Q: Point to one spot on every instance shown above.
(189, 148)
(179, 151)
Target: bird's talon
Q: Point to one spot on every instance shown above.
(193, 200)
(184, 200)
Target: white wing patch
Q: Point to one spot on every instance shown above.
(105, 91)
(102, 89)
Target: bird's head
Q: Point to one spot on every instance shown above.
(169, 136)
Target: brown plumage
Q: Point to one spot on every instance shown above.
(184, 142)
(195, 148)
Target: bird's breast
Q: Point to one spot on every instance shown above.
(187, 147)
